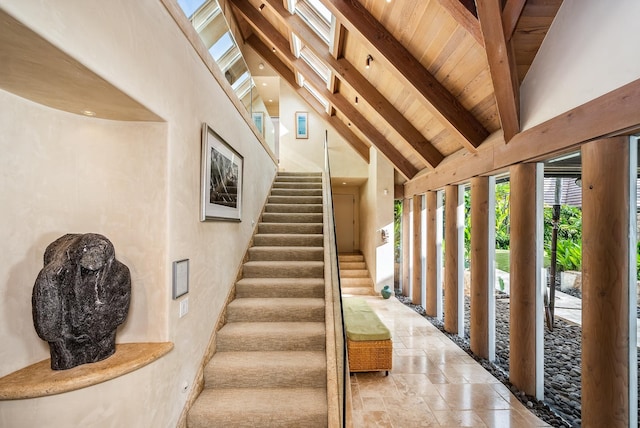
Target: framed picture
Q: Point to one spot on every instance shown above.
(258, 119)
(180, 278)
(221, 184)
(302, 124)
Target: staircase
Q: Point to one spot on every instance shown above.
(270, 367)
(354, 275)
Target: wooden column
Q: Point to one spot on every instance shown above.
(416, 277)
(432, 259)
(524, 267)
(481, 268)
(406, 248)
(452, 261)
(605, 282)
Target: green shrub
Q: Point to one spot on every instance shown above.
(568, 255)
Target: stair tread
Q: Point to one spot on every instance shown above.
(275, 235)
(266, 369)
(285, 252)
(266, 361)
(272, 336)
(283, 302)
(284, 263)
(310, 248)
(288, 328)
(290, 224)
(284, 281)
(273, 407)
(276, 309)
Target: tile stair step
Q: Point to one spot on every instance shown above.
(280, 287)
(286, 253)
(354, 273)
(350, 258)
(268, 407)
(352, 265)
(288, 239)
(283, 269)
(276, 310)
(289, 228)
(273, 369)
(358, 291)
(356, 282)
(271, 336)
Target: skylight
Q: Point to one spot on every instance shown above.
(318, 66)
(315, 94)
(222, 46)
(317, 17)
(320, 9)
(190, 6)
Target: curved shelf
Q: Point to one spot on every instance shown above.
(38, 380)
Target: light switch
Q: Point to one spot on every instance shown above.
(184, 307)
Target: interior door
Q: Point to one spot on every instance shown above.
(343, 206)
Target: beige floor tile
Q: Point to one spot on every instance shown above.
(370, 404)
(376, 419)
(472, 397)
(433, 382)
(409, 352)
(413, 385)
(458, 418)
(414, 364)
(508, 419)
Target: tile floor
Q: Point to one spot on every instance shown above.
(433, 382)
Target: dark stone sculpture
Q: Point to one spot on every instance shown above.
(79, 299)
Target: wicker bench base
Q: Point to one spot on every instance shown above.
(370, 355)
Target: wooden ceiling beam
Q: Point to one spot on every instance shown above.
(464, 17)
(399, 161)
(337, 38)
(502, 66)
(289, 76)
(408, 69)
(611, 114)
(510, 16)
(352, 77)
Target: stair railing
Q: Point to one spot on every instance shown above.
(337, 363)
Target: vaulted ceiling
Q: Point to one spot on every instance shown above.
(419, 80)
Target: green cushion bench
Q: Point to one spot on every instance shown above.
(369, 344)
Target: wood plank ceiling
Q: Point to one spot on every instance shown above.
(419, 80)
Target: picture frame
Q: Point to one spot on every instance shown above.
(302, 125)
(258, 120)
(221, 178)
(180, 278)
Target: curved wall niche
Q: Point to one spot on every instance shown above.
(35, 69)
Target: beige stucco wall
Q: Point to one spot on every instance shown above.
(139, 184)
(590, 49)
(308, 154)
(376, 214)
